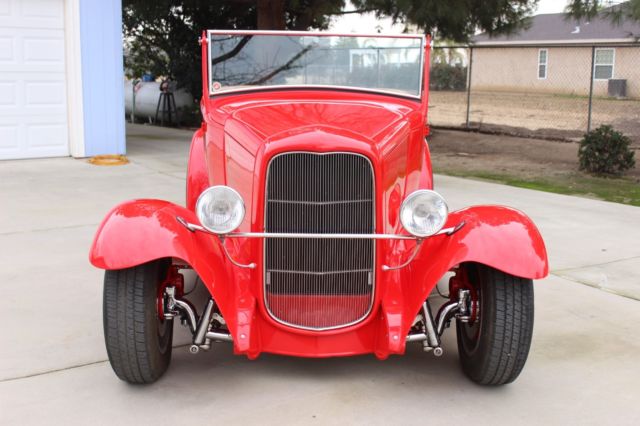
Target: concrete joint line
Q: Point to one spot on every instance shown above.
(556, 271)
(597, 287)
(28, 231)
(71, 367)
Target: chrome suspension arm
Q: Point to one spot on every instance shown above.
(433, 330)
(200, 327)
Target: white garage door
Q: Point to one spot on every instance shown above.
(33, 106)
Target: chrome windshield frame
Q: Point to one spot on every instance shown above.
(417, 97)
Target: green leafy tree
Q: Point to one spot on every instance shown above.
(455, 19)
(616, 11)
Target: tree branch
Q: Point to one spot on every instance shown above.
(284, 67)
(230, 54)
(348, 12)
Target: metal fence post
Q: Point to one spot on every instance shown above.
(470, 68)
(134, 83)
(593, 67)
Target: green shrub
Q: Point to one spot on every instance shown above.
(604, 151)
(448, 77)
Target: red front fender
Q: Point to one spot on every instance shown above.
(497, 236)
(500, 237)
(139, 231)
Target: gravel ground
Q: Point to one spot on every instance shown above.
(521, 157)
(539, 115)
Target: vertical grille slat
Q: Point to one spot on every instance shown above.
(319, 284)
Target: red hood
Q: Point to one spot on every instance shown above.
(269, 120)
(272, 115)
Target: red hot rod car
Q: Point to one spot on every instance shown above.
(311, 220)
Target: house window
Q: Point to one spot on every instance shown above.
(603, 64)
(543, 56)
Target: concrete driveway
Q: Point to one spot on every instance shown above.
(583, 368)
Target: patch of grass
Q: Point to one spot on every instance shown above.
(569, 96)
(618, 190)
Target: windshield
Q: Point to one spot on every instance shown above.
(244, 61)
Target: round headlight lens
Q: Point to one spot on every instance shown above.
(220, 209)
(423, 213)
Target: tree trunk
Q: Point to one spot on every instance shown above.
(271, 15)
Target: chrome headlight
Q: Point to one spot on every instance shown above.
(423, 213)
(220, 209)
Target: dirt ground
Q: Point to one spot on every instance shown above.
(525, 158)
(533, 115)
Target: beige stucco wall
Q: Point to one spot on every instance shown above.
(628, 67)
(515, 69)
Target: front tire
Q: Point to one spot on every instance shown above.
(494, 348)
(138, 341)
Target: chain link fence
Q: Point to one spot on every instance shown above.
(557, 92)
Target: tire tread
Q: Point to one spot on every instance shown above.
(506, 341)
(128, 317)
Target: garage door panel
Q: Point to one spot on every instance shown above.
(32, 94)
(39, 50)
(33, 108)
(40, 9)
(33, 140)
(33, 50)
(30, 120)
(7, 51)
(9, 93)
(43, 93)
(46, 136)
(5, 8)
(9, 139)
(32, 13)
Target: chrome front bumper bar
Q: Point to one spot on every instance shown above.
(194, 227)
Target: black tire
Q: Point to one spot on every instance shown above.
(494, 349)
(138, 342)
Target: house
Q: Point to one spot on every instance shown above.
(559, 55)
(61, 75)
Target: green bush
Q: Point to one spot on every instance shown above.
(448, 77)
(604, 151)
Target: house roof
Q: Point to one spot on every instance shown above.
(555, 28)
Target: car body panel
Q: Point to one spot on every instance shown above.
(197, 173)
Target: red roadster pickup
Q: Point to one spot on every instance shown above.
(312, 221)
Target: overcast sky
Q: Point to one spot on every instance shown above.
(367, 23)
(551, 6)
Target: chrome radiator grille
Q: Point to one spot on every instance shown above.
(319, 284)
